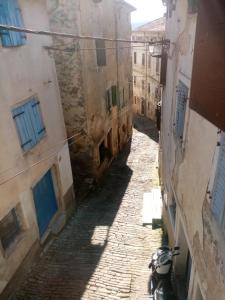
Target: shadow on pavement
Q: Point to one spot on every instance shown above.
(146, 126)
(64, 270)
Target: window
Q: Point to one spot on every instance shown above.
(139, 38)
(143, 59)
(114, 95)
(149, 61)
(172, 212)
(100, 52)
(108, 100)
(163, 70)
(29, 123)
(157, 65)
(104, 152)
(123, 98)
(218, 193)
(9, 229)
(135, 80)
(149, 88)
(143, 84)
(192, 6)
(182, 95)
(10, 14)
(157, 93)
(111, 98)
(135, 99)
(135, 58)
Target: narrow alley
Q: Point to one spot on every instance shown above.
(104, 251)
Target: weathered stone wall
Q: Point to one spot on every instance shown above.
(83, 84)
(147, 72)
(65, 17)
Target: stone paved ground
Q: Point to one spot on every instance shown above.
(104, 251)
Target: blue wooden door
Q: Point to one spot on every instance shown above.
(45, 202)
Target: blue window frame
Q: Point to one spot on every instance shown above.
(182, 96)
(29, 123)
(10, 14)
(218, 193)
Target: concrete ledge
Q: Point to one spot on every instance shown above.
(152, 208)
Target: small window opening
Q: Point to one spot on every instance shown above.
(10, 228)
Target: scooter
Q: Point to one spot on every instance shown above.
(162, 269)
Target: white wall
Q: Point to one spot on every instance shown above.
(26, 71)
(187, 170)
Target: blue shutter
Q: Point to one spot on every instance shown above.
(29, 123)
(4, 19)
(37, 120)
(182, 95)
(10, 14)
(21, 36)
(218, 195)
(24, 127)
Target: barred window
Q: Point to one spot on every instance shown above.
(9, 229)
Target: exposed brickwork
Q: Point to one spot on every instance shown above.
(104, 251)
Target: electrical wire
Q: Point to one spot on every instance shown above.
(56, 48)
(49, 149)
(35, 164)
(45, 158)
(66, 35)
(74, 36)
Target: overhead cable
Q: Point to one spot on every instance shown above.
(47, 150)
(74, 36)
(45, 158)
(35, 164)
(57, 48)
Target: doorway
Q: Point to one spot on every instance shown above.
(45, 202)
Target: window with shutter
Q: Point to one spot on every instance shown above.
(182, 95)
(24, 127)
(39, 127)
(218, 194)
(29, 123)
(100, 52)
(10, 14)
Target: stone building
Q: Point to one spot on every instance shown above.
(36, 185)
(94, 78)
(192, 156)
(146, 68)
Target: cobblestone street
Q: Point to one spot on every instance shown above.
(104, 251)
